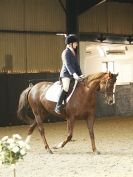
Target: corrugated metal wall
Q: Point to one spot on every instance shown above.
(44, 15)
(111, 17)
(44, 53)
(40, 51)
(12, 52)
(37, 50)
(38, 15)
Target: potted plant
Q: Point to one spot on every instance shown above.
(12, 149)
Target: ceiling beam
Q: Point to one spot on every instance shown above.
(87, 4)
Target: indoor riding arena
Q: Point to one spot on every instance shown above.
(32, 35)
(114, 140)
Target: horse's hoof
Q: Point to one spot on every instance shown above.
(49, 150)
(55, 147)
(58, 146)
(97, 152)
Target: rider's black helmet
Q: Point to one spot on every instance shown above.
(71, 38)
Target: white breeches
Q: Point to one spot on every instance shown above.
(66, 83)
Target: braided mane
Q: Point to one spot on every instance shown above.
(95, 76)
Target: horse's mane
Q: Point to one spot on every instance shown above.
(95, 76)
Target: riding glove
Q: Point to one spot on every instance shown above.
(82, 76)
(75, 76)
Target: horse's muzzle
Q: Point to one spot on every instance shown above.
(110, 100)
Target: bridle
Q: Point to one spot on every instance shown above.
(108, 90)
(106, 86)
(105, 83)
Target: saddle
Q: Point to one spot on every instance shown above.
(54, 90)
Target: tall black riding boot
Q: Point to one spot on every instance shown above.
(59, 105)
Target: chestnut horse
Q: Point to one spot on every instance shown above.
(81, 105)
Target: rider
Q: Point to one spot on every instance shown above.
(70, 68)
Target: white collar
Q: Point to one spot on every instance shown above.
(72, 50)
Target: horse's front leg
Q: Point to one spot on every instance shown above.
(90, 124)
(70, 127)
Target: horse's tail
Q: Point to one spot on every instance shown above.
(24, 109)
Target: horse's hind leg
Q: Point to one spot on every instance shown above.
(30, 131)
(70, 127)
(90, 124)
(42, 133)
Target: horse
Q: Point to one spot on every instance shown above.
(82, 104)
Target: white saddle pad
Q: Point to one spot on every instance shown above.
(53, 92)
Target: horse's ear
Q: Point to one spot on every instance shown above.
(116, 74)
(110, 74)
